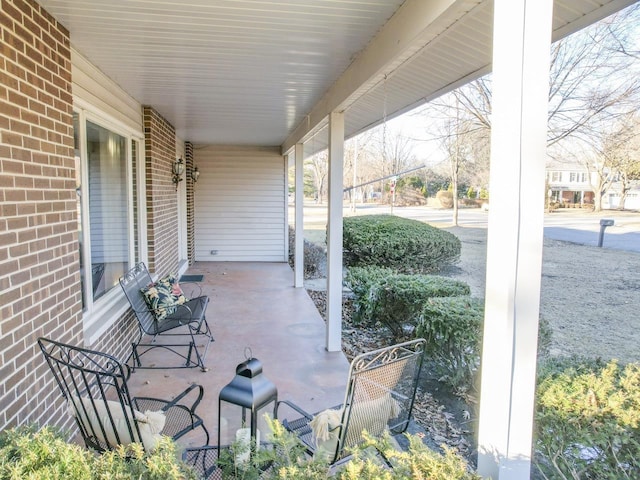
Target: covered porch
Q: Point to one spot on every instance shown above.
(161, 132)
(255, 306)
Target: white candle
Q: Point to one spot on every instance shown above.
(243, 443)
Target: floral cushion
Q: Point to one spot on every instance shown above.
(163, 296)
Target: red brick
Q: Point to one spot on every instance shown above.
(9, 109)
(24, 183)
(12, 40)
(10, 11)
(18, 99)
(17, 126)
(12, 139)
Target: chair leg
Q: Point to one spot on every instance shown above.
(136, 358)
(200, 357)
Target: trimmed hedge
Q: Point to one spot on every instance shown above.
(405, 245)
(452, 327)
(395, 300)
(398, 301)
(360, 281)
(587, 419)
(315, 256)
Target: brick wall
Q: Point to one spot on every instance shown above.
(162, 200)
(190, 165)
(39, 262)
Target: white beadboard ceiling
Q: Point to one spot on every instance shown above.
(264, 72)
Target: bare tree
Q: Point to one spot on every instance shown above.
(601, 177)
(591, 80)
(620, 153)
(592, 84)
(357, 158)
(318, 165)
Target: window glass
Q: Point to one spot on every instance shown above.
(78, 165)
(108, 207)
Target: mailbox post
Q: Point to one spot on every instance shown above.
(604, 223)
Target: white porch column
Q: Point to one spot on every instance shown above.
(299, 211)
(334, 233)
(521, 44)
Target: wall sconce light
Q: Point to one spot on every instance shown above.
(195, 173)
(178, 170)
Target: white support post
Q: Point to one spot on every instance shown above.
(299, 216)
(334, 233)
(521, 45)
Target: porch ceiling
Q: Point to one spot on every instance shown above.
(260, 72)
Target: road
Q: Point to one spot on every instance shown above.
(576, 226)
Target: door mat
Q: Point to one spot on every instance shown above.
(191, 278)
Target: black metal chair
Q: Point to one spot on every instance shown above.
(186, 319)
(380, 393)
(94, 384)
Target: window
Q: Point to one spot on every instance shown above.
(106, 186)
(573, 177)
(556, 176)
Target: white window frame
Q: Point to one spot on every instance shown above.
(101, 314)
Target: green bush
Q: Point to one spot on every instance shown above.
(587, 419)
(26, 453)
(418, 462)
(452, 327)
(398, 300)
(360, 281)
(315, 256)
(405, 245)
(287, 461)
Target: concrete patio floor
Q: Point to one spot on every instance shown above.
(253, 305)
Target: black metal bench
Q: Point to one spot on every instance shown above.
(186, 319)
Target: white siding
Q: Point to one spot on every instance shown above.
(240, 204)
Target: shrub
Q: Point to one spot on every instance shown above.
(314, 256)
(397, 301)
(45, 455)
(402, 244)
(417, 462)
(445, 198)
(360, 281)
(471, 193)
(587, 420)
(452, 327)
(287, 461)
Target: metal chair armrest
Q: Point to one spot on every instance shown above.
(186, 392)
(183, 306)
(192, 317)
(295, 407)
(193, 289)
